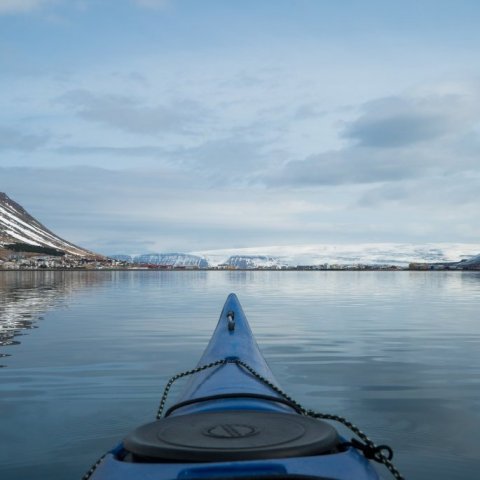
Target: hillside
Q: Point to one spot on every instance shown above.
(21, 232)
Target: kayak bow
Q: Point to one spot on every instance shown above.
(233, 421)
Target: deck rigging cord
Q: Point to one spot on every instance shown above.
(379, 453)
(368, 447)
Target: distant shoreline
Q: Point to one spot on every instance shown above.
(284, 270)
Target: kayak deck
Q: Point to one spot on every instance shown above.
(234, 340)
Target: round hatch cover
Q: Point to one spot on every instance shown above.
(231, 435)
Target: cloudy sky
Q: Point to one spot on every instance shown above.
(133, 126)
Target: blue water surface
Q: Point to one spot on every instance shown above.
(86, 356)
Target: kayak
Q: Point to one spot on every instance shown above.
(232, 421)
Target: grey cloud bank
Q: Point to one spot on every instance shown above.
(15, 139)
(403, 121)
(130, 115)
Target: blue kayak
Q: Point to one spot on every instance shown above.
(233, 421)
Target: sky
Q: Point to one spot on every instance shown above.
(137, 126)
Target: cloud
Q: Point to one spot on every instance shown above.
(11, 139)
(22, 6)
(405, 120)
(363, 165)
(211, 157)
(437, 193)
(336, 168)
(230, 160)
(131, 115)
(397, 130)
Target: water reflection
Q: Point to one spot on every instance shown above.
(26, 296)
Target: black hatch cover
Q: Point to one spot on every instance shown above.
(231, 435)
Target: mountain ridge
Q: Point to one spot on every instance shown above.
(19, 228)
(400, 255)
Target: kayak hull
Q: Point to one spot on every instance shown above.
(348, 465)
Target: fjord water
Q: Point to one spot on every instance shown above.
(86, 356)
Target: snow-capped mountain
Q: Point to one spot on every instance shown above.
(353, 254)
(471, 262)
(321, 254)
(18, 227)
(180, 260)
(253, 261)
(174, 260)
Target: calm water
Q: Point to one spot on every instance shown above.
(396, 352)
